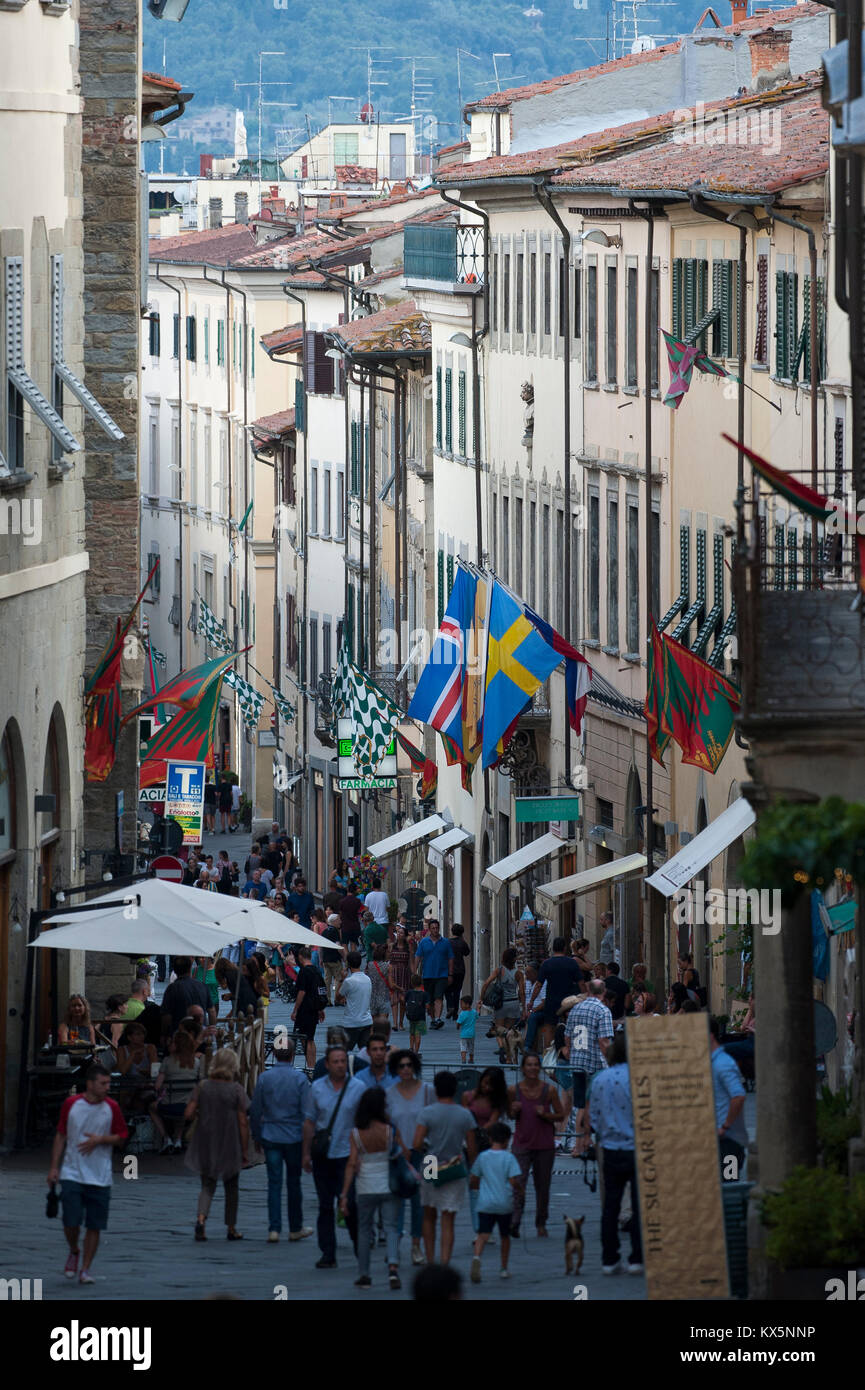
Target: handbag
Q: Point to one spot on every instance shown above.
(451, 1171)
(494, 996)
(320, 1145)
(402, 1178)
(52, 1201)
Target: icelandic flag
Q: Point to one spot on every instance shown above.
(438, 698)
(578, 672)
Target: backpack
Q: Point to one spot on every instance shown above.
(415, 1010)
(321, 991)
(494, 997)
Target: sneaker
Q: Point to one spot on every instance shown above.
(476, 1270)
(634, 1268)
(611, 1269)
(418, 1257)
(167, 1147)
(70, 1269)
(85, 1277)
(504, 1274)
(272, 1237)
(178, 1146)
(325, 1264)
(301, 1234)
(363, 1281)
(394, 1279)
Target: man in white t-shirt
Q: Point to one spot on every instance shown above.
(90, 1126)
(377, 903)
(356, 990)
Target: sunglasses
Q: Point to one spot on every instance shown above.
(405, 1064)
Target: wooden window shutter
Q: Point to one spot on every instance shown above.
(449, 410)
(299, 405)
(461, 407)
(441, 586)
(761, 338)
(678, 330)
(438, 407)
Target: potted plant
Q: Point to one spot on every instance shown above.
(816, 1233)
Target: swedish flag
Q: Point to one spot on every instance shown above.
(518, 661)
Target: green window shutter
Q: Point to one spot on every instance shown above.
(449, 410)
(299, 405)
(220, 342)
(438, 407)
(781, 353)
(355, 432)
(366, 459)
(689, 296)
(722, 299)
(791, 295)
(450, 568)
(702, 284)
(461, 407)
(678, 330)
(441, 586)
(779, 557)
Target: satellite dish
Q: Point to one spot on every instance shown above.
(825, 1029)
(644, 44)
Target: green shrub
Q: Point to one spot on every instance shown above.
(837, 1123)
(817, 1219)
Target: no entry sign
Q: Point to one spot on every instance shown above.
(166, 866)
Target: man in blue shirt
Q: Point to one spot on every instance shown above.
(301, 902)
(610, 1114)
(254, 888)
(376, 1074)
(434, 961)
(331, 1103)
(276, 1120)
(729, 1094)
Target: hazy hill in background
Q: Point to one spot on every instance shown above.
(325, 43)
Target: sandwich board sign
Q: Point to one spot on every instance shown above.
(184, 798)
(350, 778)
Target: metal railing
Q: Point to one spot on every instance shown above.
(452, 254)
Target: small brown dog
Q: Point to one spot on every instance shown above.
(510, 1040)
(573, 1242)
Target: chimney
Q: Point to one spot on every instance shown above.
(740, 10)
(215, 212)
(241, 207)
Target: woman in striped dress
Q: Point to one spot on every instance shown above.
(399, 960)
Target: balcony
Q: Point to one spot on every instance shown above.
(446, 254)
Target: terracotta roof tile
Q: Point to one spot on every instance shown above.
(289, 339)
(159, 79)
(355, 173)
(770, 19)
(374, 204)
(401, 328)
(217, 245)
(274, 426)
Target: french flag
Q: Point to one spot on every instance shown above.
(437, 700)
(578, 672)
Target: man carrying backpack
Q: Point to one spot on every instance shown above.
(332, 958)
(309, 1005)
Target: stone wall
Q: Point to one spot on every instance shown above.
(110, 86)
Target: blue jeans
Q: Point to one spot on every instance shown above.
(275, 1156)
(535, 1020)
(415, 1202)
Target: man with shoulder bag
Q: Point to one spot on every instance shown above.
(329, 1118)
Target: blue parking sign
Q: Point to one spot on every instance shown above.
(184, 798)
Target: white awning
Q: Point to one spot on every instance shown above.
(409, 835)
(576, 884)
(703, 848)
(442, 844)
(515, 864)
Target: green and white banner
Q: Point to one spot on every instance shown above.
(372, 713)
(286, 709)
(251, 700)
(212, 630)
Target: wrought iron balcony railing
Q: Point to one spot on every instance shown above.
(447, 253)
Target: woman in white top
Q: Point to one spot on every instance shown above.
(369, 1163)
(405, 1101)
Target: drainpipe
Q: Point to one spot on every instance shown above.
(815, 366)
(289, 294)
(236, 289)
(546, 202)
(177, 289)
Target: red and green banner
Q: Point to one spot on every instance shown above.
(425, 767)
(813, 503)
(690, 702)
(187, 738)
(682, 359)
(189, 688)
(102, 703)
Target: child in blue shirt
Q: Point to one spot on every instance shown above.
(496, 1174)
(467, 1021)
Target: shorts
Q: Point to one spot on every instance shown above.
(174, 1109)
(87, 1200)
(449, 1197)
(306, 1024)
(435, 989)
(358, 1037)
(418, 1027)
(579, 1090)
(488, 1220)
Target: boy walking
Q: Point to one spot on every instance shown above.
(496, 1173)
(90, 1126)
(467, 1022)
(415, 1012)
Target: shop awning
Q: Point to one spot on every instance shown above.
(443, 844)
(408, 836)
(575, 884)
(497, 875)
(703, 848)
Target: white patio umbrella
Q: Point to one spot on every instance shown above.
(159, 896)
(150, 934)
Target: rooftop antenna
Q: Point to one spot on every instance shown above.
(513, 78)
(265, 53)
(371, 64)
(460, 53)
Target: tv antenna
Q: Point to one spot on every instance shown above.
(260, 84)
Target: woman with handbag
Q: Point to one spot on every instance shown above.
(219, 1145)
(405, 1101)
(442, 1130)
(369, 1166)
